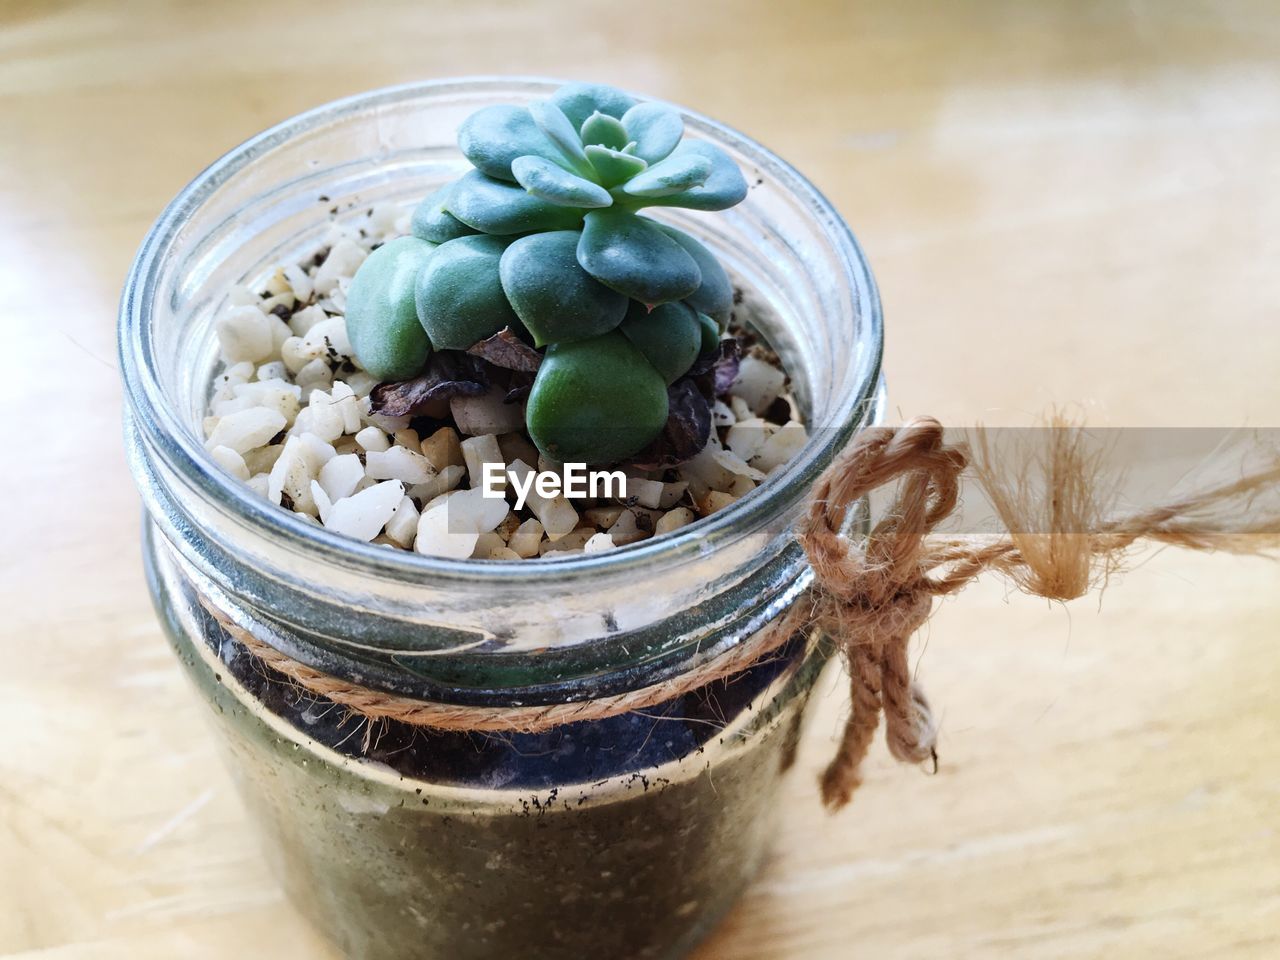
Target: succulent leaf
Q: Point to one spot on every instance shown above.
(634, 257)
(613, 167)
(553, 183)
(458, 298)
(721, 190)
(382, 322)
(557, 300)
(655, 128)
(494, 136)
(677, 173)
(669, 336)
(560, 131)
(431, 221)
(603, 130)
(581, 100)
(714, 295)
(595, 401)
(710, 333)
(500, 208)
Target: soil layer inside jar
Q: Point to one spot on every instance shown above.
(625, 838)
(575, 753)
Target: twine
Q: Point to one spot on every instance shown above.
(379, 705)
(870, 598)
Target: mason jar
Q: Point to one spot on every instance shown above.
(625, 837)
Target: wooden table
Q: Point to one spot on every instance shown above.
(1064, 201)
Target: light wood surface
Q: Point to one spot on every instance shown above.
(1063, 201)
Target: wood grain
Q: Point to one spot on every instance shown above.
(1063, 201)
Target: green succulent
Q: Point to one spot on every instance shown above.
(545, 237)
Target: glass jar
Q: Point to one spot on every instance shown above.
(625, 837)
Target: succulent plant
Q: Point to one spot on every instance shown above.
(545, 237)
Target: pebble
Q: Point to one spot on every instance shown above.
(625, 529)
(371, 438)
(524, 542)
(477, 451)
(472, 510)
(647, 493)
(245, 429)
(398, 463)
(343, 260)
(306, 318)
(736, 466)
(557, 515)
(443, 449)
(291, 475)
(403, 525)
(275, 370)
(488, 413)
(435, 537)
(363, 515)
(781, 447)
(444, 481)
(746, 437)
(244, 335)
(486, 544)
(674, 520)
(230, 461)
(340, 475)
(603, 517)
(758, 384)
(573, 541)
(324, 504)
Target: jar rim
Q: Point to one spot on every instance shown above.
(169, 436)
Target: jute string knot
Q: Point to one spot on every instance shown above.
(870, 597)
(872, 600)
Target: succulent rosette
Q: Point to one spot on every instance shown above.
(545, 237)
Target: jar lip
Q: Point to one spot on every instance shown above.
(171, 438)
